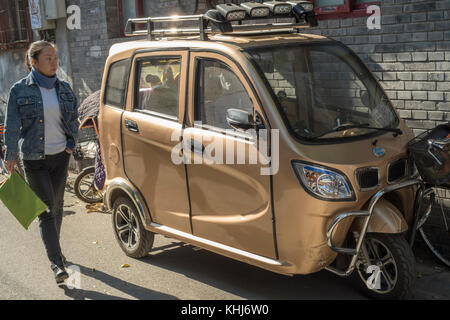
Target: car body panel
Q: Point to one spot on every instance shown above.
(147, 154)
(228, 201)
(233, 209)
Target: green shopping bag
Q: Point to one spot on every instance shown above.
(18, 197)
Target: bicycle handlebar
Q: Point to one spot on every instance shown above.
(437, 143)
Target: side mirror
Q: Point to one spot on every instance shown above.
(242, 120)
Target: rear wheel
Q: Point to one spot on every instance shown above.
(133, 238)
(84, 186)
(386, 267)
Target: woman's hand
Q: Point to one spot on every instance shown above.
(10, 165)
(68, 151)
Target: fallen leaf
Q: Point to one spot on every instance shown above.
(125, 265)
(94, 207)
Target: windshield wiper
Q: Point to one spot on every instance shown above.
(352, 126)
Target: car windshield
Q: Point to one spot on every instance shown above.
(324, 91)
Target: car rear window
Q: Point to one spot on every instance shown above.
(117, 83)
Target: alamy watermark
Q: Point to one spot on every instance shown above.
(374, 21)
(74, 18)
(204, 147)
(74, 280)
(374, 280)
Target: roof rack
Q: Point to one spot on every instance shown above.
(219, 20)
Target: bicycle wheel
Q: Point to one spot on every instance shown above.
(84, 186)
(435, 232)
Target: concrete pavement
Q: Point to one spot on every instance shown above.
(172, 270)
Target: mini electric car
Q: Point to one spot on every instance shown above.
(235, 132)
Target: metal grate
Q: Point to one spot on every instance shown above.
(367, 178)
(397, 170)
(86, 134)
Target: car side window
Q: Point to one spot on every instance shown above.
(116, 84)
(219, 89)
(158, 90)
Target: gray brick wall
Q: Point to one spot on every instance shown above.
(410, 54)
(100, 29)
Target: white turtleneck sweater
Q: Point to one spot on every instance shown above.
(55, 138)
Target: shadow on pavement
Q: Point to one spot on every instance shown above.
(247, 281)
(128, 288)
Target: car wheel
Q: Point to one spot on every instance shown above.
(389, 269)
(133, 238)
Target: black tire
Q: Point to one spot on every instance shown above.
(133, 238)
(435, 232)
(399, 266)
(86, 178)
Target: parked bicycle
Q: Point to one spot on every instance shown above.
(430, 152)
(86, 148)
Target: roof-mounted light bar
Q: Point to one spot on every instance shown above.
(231, 12)
(219, 20)
(306, 5)
(304, 10)
(278, 7)
(256, 10)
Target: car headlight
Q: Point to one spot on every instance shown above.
(323, 183)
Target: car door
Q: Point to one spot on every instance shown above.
(113, 103)
(230, 197)
(148, 124)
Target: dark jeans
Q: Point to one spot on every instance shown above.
(47, 178)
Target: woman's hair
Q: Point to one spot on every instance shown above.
(35, 50)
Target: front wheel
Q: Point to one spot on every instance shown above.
(386, 267)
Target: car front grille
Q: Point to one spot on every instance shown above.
(367, 178)
(397, 170)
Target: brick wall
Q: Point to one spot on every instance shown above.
(410, 54)
(100, 29)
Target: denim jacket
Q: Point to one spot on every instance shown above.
(24, 123)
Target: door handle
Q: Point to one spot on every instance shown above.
(131, 125)
(196, 146)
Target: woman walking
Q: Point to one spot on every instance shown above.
(41, 126)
